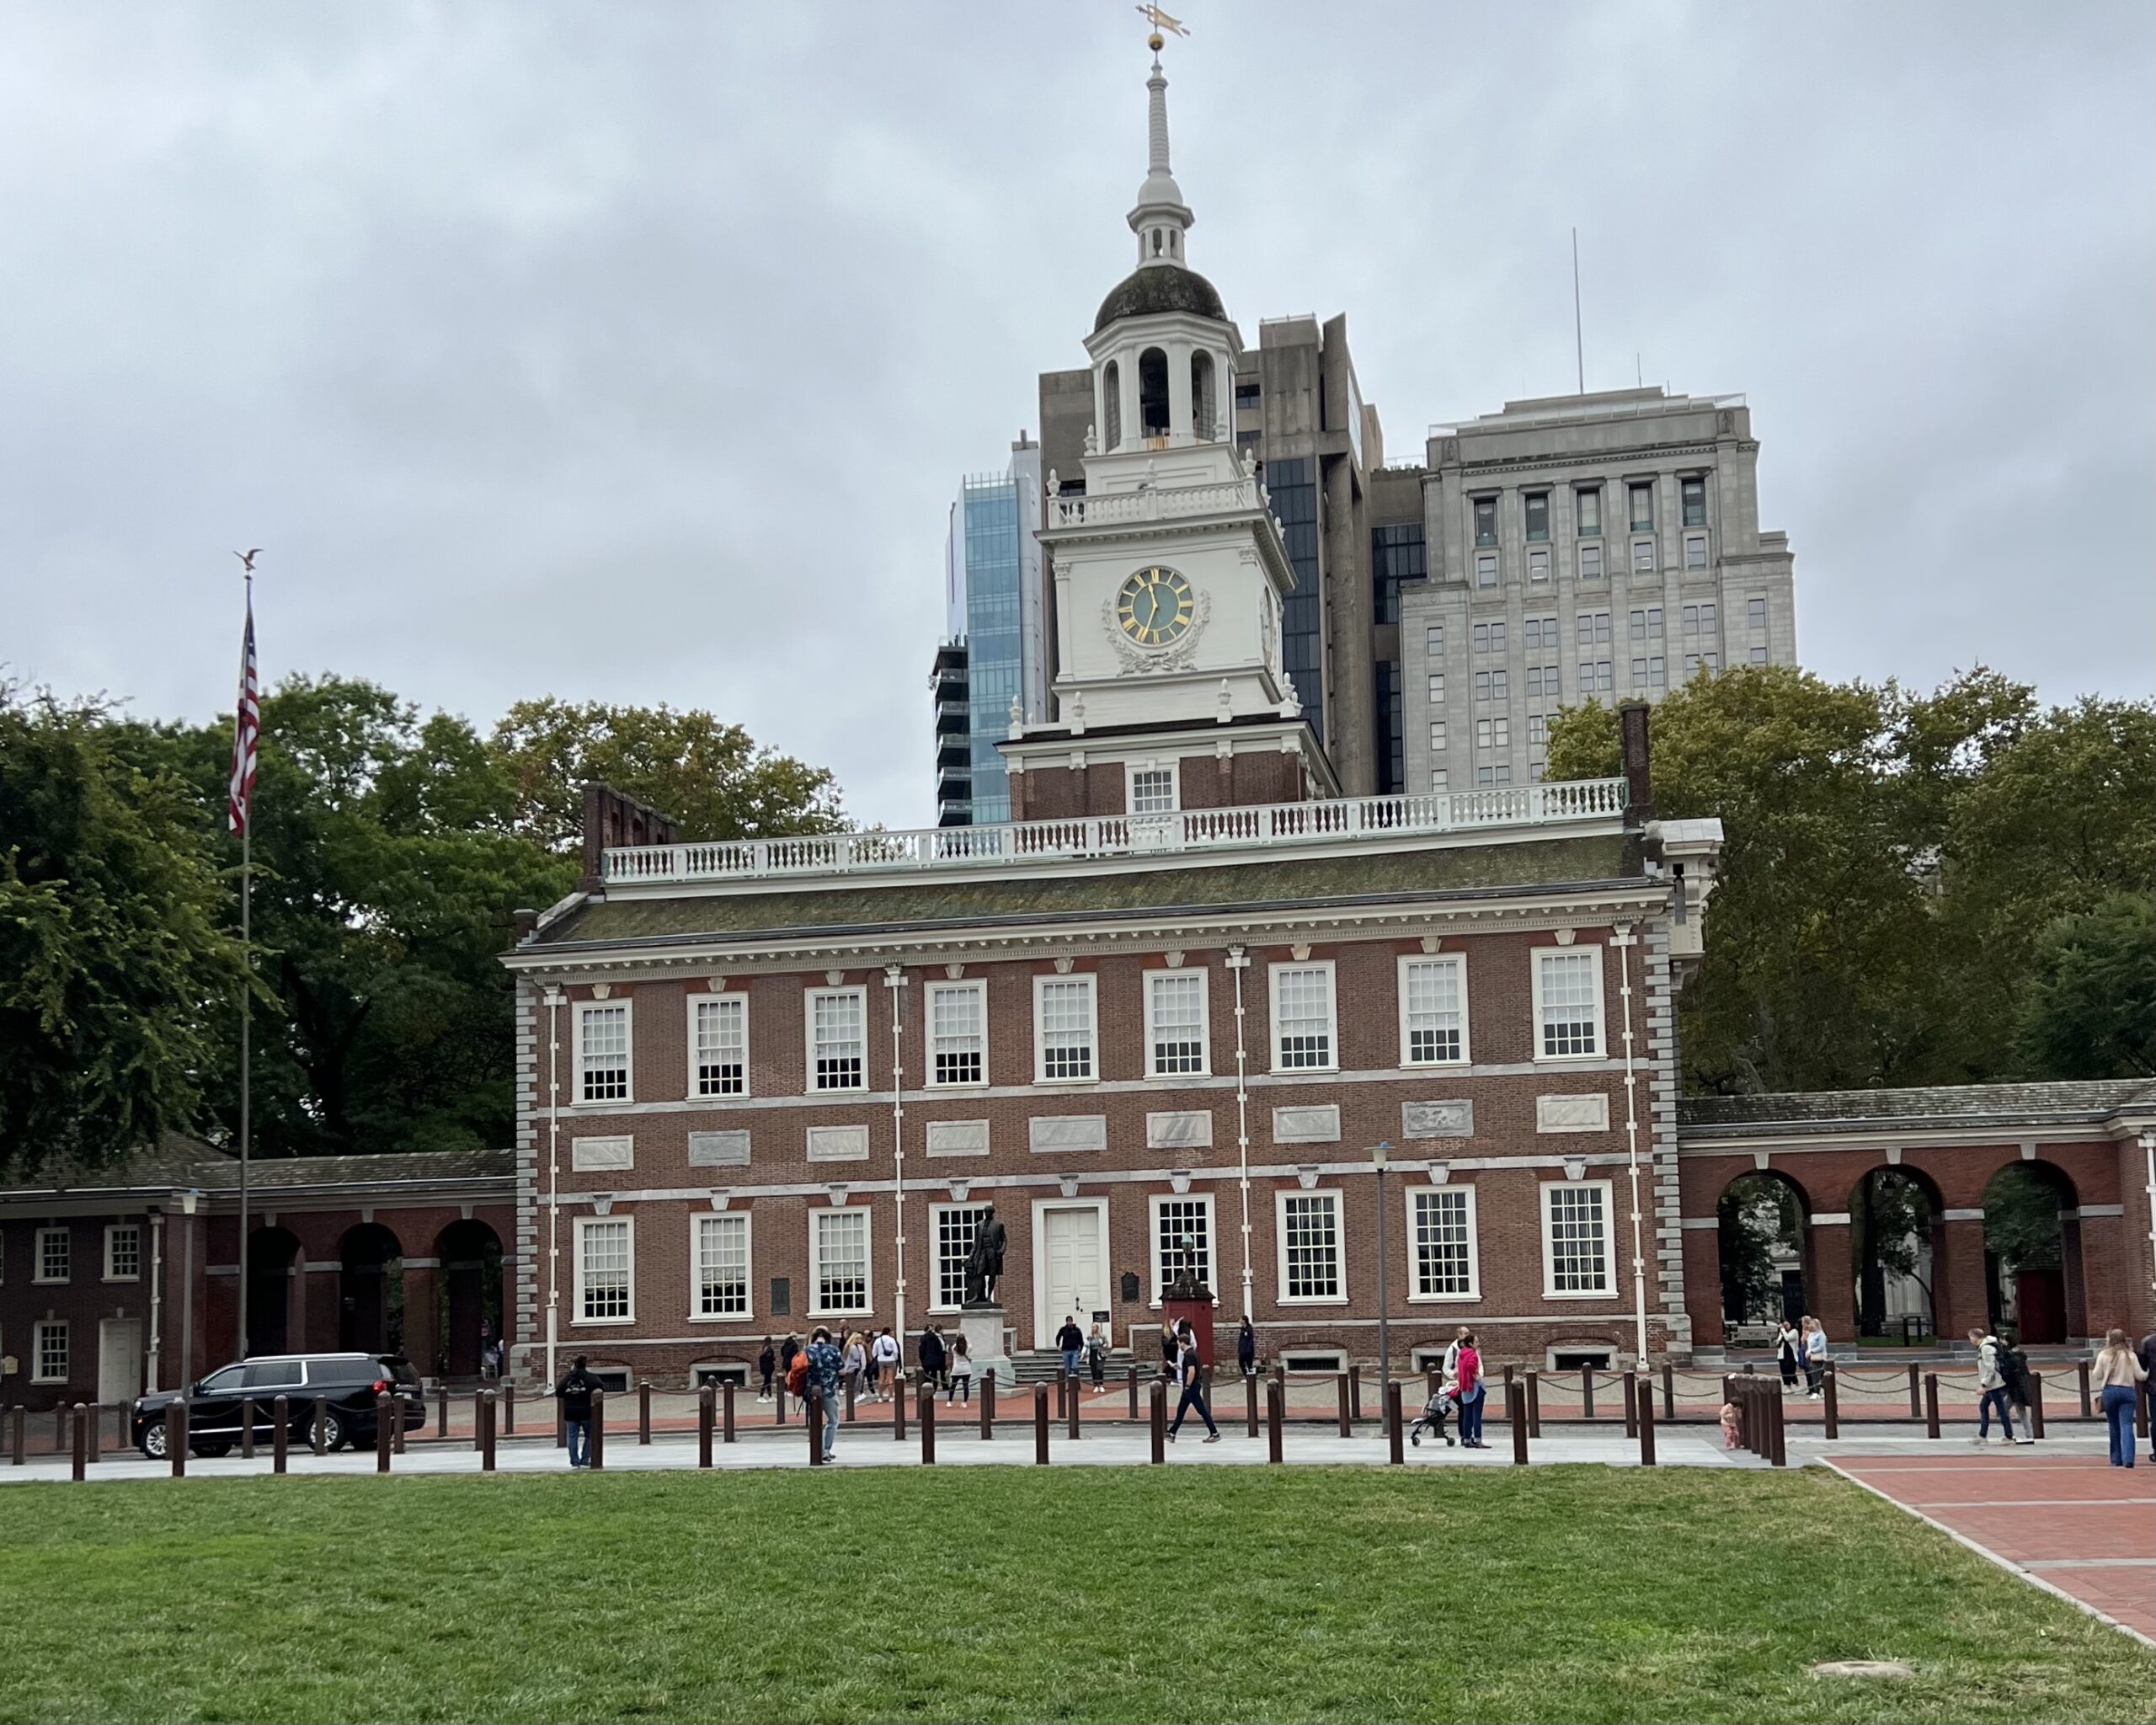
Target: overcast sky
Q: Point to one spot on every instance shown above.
(634, 351)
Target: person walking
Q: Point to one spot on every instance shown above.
(1070, 1342)
(823, 1362)
(1991, 1390)
(1096, 1357)
(1171, 1351)
(883, 1363)
(1472, 1389)
(1814, 1337)
(766, 1364)
(1788, 1344)
(853, 1362)
(2118, 1373)
(934, 1357)
(789, 1350)
(1246, 1350)
(574, 1394)
(962, 1373)
(1192, 1373)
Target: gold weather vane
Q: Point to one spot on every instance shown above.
(1160, 22)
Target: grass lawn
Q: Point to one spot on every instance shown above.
(990, 1593)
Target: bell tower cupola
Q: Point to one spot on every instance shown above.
(1160, 219)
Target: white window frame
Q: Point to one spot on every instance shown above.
(1590, 562)
(38, 1273)
(698, 1222)
(584, 1225)
(817, 1218)
(584, 1009)
(857, 992)
(1415, 1196)
(937, 990)
(1090, 983)
(1156, 1202)
(39, 1374)
(1547, 1206)
(1457, 963)
(936, 1212)
(1172, 768)
(113, 1230)
(1695, 545)
(1204, 981)
(1332, 1014)
(1281, 1198)
(697, 1092)
(1536, 957)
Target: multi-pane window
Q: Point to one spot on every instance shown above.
(1183, 1239)
(1700, 619)
(49, 1354)
(1486, 521)
(1542, 683)
(1489, 638)
(1755, 612)
(1441, 1221)
(1594, 628)
(1642, 500)
(1485, 569)
(955, 1223)
(1643, 556)
(722, 1265)
(1174, 1017)
(1437, 687)
(1694, 493)
(1646, 624)
(602, 1052)
(1440, 781)
(1597, 677)
(1590, 563)
(839, 1241)
(1062, 1030)
(1536, 513)
(1433, 1010)
(1309, 1246)
(1493, 732)
(1438, 733)
(1153, 790)
(605, 1266)
(1538, 565)
(1537, 730)
(1490, 685)
(1433, 640)
(1575, 1237)
(1696, 551)
(56, 1255)
(1501, 774)
(1588, 500)
(1757, 655)
(1541, 634)
(1302, 1017)
(1650, 672)
(722, 1044)
(958, 1030)
(1568, 1002)
(123, 1251)
(838, 1040)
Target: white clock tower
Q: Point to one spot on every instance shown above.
(1167, 570)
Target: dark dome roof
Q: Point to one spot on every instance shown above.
(1159, 287)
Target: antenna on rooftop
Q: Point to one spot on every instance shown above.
(1579, 343)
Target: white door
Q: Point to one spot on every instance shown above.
(1071, 1275)
(119, 1358)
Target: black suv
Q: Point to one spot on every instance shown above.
(348, 1382)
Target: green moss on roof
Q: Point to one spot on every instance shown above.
(1412, 873)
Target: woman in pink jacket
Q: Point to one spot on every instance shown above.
(1471, 1394)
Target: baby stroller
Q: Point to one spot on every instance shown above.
(1435, 1411)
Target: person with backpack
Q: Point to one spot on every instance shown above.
(934, 1357)
(574, 1394)
(797, 1377)
(1191, 1373)
(1991, 1390)
(2014, 1373)
(767, 1365)
(822, 1360)
(883, 1364)
(789, 1350)
(1246, 1350)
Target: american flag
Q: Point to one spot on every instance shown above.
(246, 730)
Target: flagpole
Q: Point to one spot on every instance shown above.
(245, 989)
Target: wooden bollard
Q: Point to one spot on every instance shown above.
(1534, 1404)
(1777, 1427)
(1669, 1393)
(1830, 1403)
(987, 1406)
(1250, 1397)
(317, 1435)
(60, 1430)
(2035, 1404)
(898, 1411)
(778, 1402)
(1931, 1404)
(597, 1447)
(246, 1427)
(928, 1425)
(1347, 1424)
(18, 1433)
(97, 1422)
(1040, 1424)
(1394, 1439)
(1134, 1392)
(1158, 1422)
(1631, 1405)
(2141, 1415)
(1916, 1395)
(280, 1432)
(176, 1436)
(852, 1391)
(1070, 1409)
(707, 1407)
(1586, 1392)
(79, 1463)
(509, 1408)
(2081, 1367)
(1062, 1392)
(441, 1411)
(643, 1411)
(1355, 1391)
(387, 1411)
(1646, 1425)
(1276, 1397)
(812, 1410)
(483, 1406)
(396, 1421)
(476, 1396)
(726, 1411)
(1519, 1416)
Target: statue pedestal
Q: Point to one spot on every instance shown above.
(982, 1326)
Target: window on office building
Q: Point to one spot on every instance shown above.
(1693, 492)
(1642, 500)
(1588, 501)
(1643, 557)
(1485, 569)
(1647, 625)
(1538, 566)
(1486, 521)
(1696, 551)
(1440, 781)
(1438, 735)
(1489, 638)
(1536, 507)
(1755, 613)
(1590, 563)
(1433, 640)
(1437, 688)
(1592, 628)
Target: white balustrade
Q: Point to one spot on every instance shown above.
(1152, 505)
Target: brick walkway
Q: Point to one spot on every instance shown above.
(2075, 1521)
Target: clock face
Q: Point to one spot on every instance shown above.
(1154, 606)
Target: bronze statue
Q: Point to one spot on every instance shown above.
(985, 1262)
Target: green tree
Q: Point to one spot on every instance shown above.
(708, 776)
(2022, 1226)
(2088, 1009)
(115, 969)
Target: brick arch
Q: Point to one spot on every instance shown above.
(1947, 1278)
(2050, 1306)
(1808, 1269)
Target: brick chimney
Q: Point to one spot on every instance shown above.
(1639, 785)
(612, 821)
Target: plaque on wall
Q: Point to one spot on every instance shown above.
(1436, 1120)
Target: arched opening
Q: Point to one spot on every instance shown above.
(1760, 1231)
(468, 1305)
(1156, 242)
(1172, 237)
(371, 1291)
(1201, 396)
(1111, 405)
(270, 1255)
(2027, 1260)
(1894, 1215)
(1153, 393)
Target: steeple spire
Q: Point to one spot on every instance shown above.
(1160, 219)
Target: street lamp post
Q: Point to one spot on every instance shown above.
(1378, 1156)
